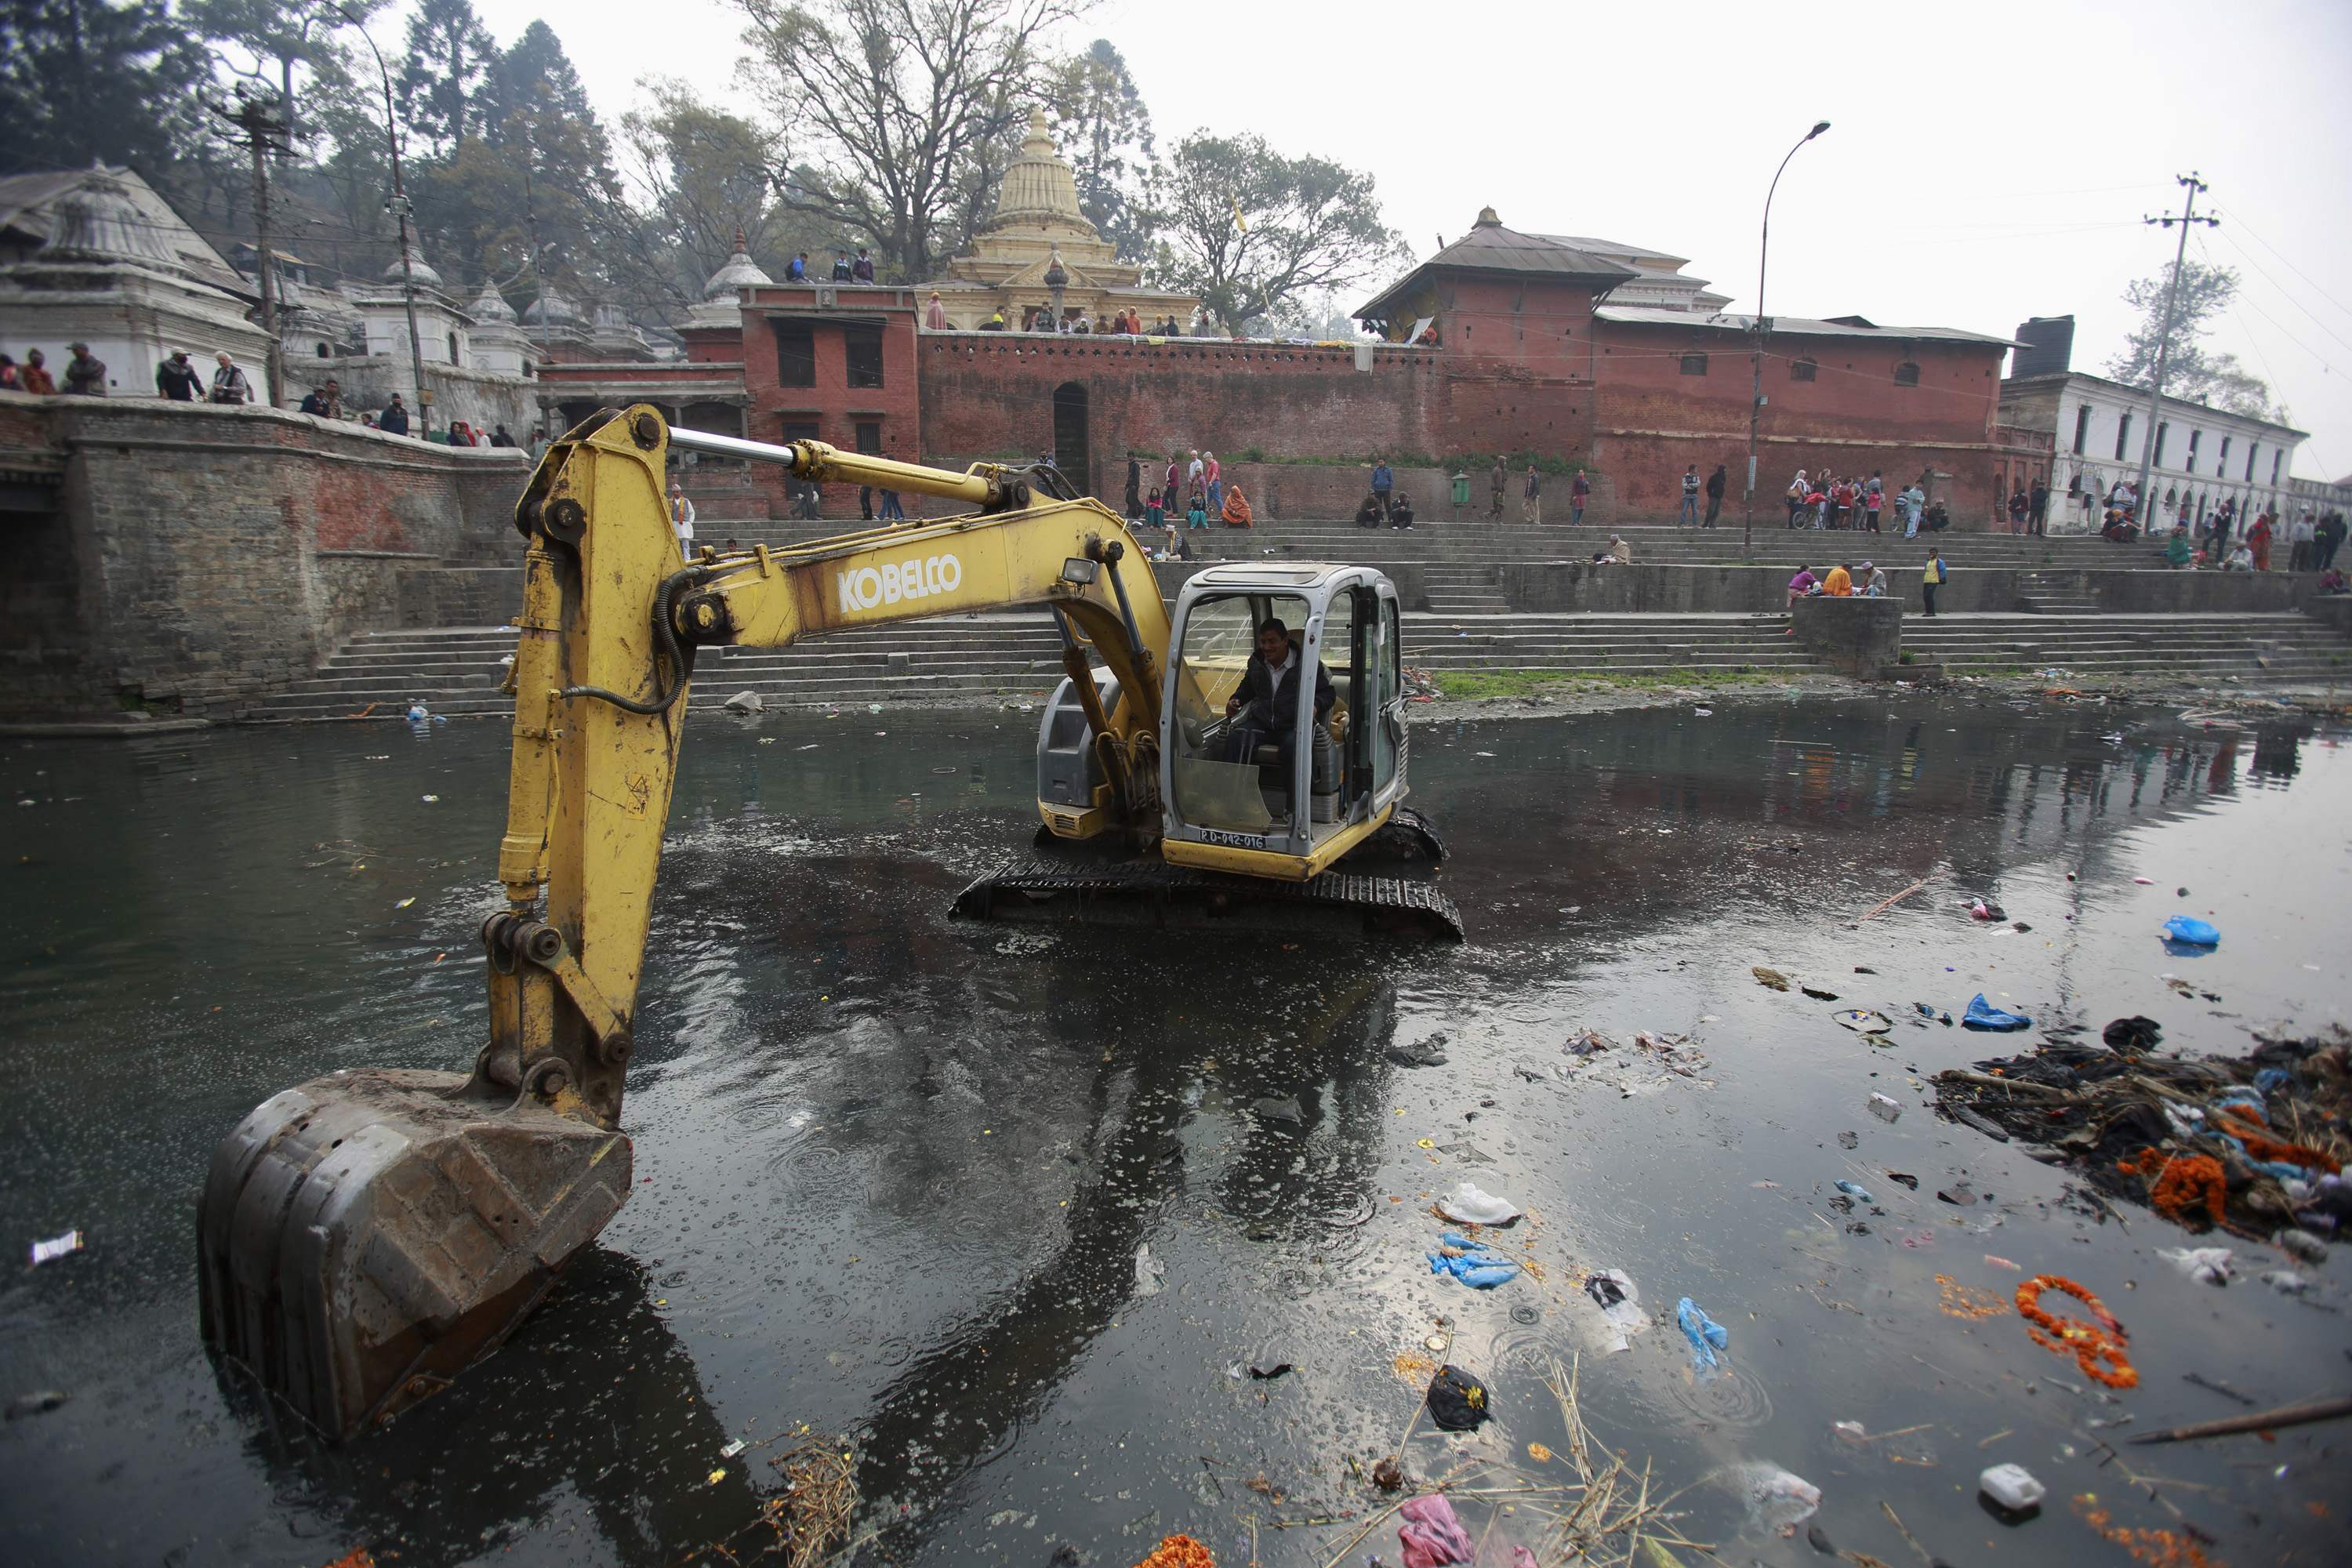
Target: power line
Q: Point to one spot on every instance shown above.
(2282, 288)
(2240, 223)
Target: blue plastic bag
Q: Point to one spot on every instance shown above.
(1983, 1015)
(1476, 1267)
(1706, 1335)
(2192, 930)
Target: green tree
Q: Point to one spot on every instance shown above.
(116, 80)
(1250, 230)
(700, 175)
(445, 81)
(897, 100)
(2190, 369)
(1101, 122)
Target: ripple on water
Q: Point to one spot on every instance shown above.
(1727, 1396)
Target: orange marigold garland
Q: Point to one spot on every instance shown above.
(2088, 1343)
(2263, 1146)
(2181, 1182)
(1178, 1551)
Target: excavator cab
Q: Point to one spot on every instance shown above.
(1314, 786)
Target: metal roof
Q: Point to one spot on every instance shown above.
(1795, 326)
(1490, 248)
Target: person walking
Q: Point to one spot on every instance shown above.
(176, 379)
(2018, 507)
(796, 269)
(1215, 475)
(36, 375)
(1689, 512)
(1716, 482)
(1579, 491)
(1496, 479)
(891, 511)
(1931, 577)
(1383, 481)
(230, 384)
(1913, 502)
(2037, 506)
(1531, 499)
(85, 372)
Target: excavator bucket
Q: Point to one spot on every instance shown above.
(364, 1237)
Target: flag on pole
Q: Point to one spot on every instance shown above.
(1240, 222)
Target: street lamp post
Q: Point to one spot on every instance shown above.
(1756, 386)
(400, 209)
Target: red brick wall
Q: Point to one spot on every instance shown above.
(992, 394)
(834, 406)
(1531, 322)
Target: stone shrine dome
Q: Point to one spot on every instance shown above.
(98, 221)
(740, 272)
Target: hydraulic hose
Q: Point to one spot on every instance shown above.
(681, 659)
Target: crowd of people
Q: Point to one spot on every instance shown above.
(1193, 488)
(1042, 319)
(1847, 580)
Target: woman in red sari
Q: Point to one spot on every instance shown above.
(1237, 507)
(2258, 539)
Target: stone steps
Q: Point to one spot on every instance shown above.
(1010, 656)
(2257, 646)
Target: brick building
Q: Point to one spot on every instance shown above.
(1501, 342)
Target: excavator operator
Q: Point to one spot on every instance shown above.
(1268, 692)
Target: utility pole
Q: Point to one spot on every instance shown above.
(264, 132)
(2164, 338)
(1763, 325)
(399, 207)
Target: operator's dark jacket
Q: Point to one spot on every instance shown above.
(1269, 707)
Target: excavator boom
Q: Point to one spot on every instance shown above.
(364, 1236)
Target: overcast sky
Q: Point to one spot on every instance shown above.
(1988, 160)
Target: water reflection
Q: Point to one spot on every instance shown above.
(904, 1168)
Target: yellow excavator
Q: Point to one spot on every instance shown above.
(365, 1236)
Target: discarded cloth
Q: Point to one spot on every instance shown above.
(2132, 1034)
(2190, 930)
(1706, 1335)
(1471, 1263)
(1432, 1535)
(1471, 1204)
(1983, 1015)
(1857, 1191)
(2209, 1264)
(1613, 1291)
(1457, 1401)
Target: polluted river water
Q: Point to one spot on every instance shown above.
(1017, 1214)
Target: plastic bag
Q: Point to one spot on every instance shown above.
(1470, 1205)
(2190, 930)
(1475, 1265)
(1983, 1015)
(1706, 1335)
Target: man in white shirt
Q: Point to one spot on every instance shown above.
(682, 517)
(2300, 533)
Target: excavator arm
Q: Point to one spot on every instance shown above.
(363, 1237)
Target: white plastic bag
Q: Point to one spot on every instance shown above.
(1470, 1205)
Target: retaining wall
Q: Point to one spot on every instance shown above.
(198, 557)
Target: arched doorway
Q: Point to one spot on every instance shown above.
(1070, 452)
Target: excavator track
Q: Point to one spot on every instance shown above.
(1154, 893)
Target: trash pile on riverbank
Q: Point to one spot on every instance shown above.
(2249, 1144)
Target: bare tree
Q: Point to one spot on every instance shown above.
(898, 100)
